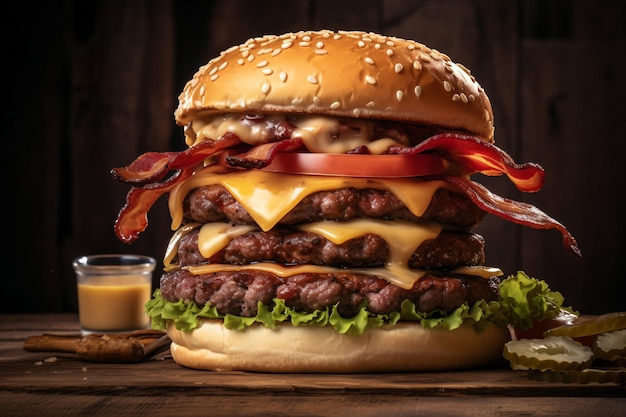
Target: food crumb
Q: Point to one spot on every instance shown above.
(84, 369)
(50, 359)
(39, 363)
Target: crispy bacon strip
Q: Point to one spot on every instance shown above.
(261, 156)
(133, 217)
(471, 154)
(514, 211)
(476, 155)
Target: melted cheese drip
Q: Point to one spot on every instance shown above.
(402, 237)
(318, 133)
(213, 237)
(287, 271)
(280, 193)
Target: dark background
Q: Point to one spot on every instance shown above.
(89, 85)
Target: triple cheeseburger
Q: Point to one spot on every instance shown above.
(323, 211)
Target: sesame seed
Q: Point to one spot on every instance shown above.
(456, 97)
(466, 70)
(250, 58)
(389, 52)
(321, 52)
(337, 37)
(240, 61)
(335, 105)
(312, 79)
(417, 65)
(267, 71)
(214, 77)
(377, 46)
(303, 43)
(276, 51)
(398, 68)
(265, 88)
(471, 97)
(463, 98)
(261, 64)
(202, 90)
(296, 101)
(369, 60)
(424, 57)
(361, 44)
(319, 45)
(245, 53)
(286, 44)
(197, 103)
(370, 80)
(213, 71)
(283, 76)
(418, 91)
(399, 95)
(316, 100)
(306, 38)
(447, 86)
(370, 104)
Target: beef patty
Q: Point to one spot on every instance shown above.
(238, 292)
(290, 246)
(213, 203)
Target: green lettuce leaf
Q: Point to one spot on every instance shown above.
(522, 301)
(186, 316)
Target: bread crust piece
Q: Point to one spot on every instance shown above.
(403, 347)
(343, 74)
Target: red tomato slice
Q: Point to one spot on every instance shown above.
(357, 165)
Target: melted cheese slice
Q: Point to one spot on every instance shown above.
(402, 237)
(269, 196)
(318, 133)
(385, 273)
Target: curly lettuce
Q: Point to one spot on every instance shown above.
(522, 300)
(525, 300)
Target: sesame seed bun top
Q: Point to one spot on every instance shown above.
(344, 74)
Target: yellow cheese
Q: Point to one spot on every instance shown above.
(269, 196)
(213, 237)
(318, 133)
(402, 237)
(388, 274)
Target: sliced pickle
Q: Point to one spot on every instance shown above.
(610, 346)
(554, 353)
(592, 326)
(586, 376)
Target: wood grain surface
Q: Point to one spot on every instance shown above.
(43, 384)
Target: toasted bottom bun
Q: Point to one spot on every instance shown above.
(305, 349)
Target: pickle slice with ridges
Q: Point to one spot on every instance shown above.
(554, 353)
(592, 326)
(586, 376)
(610, 346)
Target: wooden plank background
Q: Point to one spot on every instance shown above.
(90, 85)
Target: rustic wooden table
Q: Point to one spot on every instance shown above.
(43, 384)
